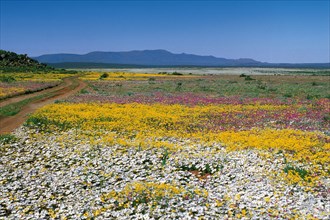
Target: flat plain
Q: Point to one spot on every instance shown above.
(174, 144)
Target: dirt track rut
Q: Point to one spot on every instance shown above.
(10, 123)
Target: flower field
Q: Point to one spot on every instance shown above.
(20, 83)
(17, 88)
(174, 147)
(126, 76)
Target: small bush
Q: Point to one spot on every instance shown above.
(84, 91)
(300, 171)
(177, 74)
(287, 95)
(208, 169)
(104, 75)
(7, 138)
(151, 81)
(271, 89)
(36, 122)
(327, 118)
(165, 157)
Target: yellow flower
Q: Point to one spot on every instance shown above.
(237, 197)
(267, 199)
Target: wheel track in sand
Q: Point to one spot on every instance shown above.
(69, 87)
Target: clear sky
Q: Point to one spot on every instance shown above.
(269, 31)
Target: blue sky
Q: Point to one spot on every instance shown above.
(269, 31)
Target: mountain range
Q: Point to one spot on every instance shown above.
(145, 58)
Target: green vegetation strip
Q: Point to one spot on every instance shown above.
(15, 108)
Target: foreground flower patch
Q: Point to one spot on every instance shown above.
(44, 177)
(140, 125)
(135, 161)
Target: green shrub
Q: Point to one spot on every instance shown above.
(300, 171)
(326, 118)
(165, 156)
(104, 75)
(7, 138)
(206, 170)
(287, 95)
(84, 91)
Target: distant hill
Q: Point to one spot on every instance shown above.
(12, 62)
(146, 58)
(83, 65)
(87, 65)
(157, 58)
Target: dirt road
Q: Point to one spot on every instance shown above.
(69, 87)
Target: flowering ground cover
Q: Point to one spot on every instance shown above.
(18, 88)
(12, 84)
(39, 77)
(126, 76)
(172, 153)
